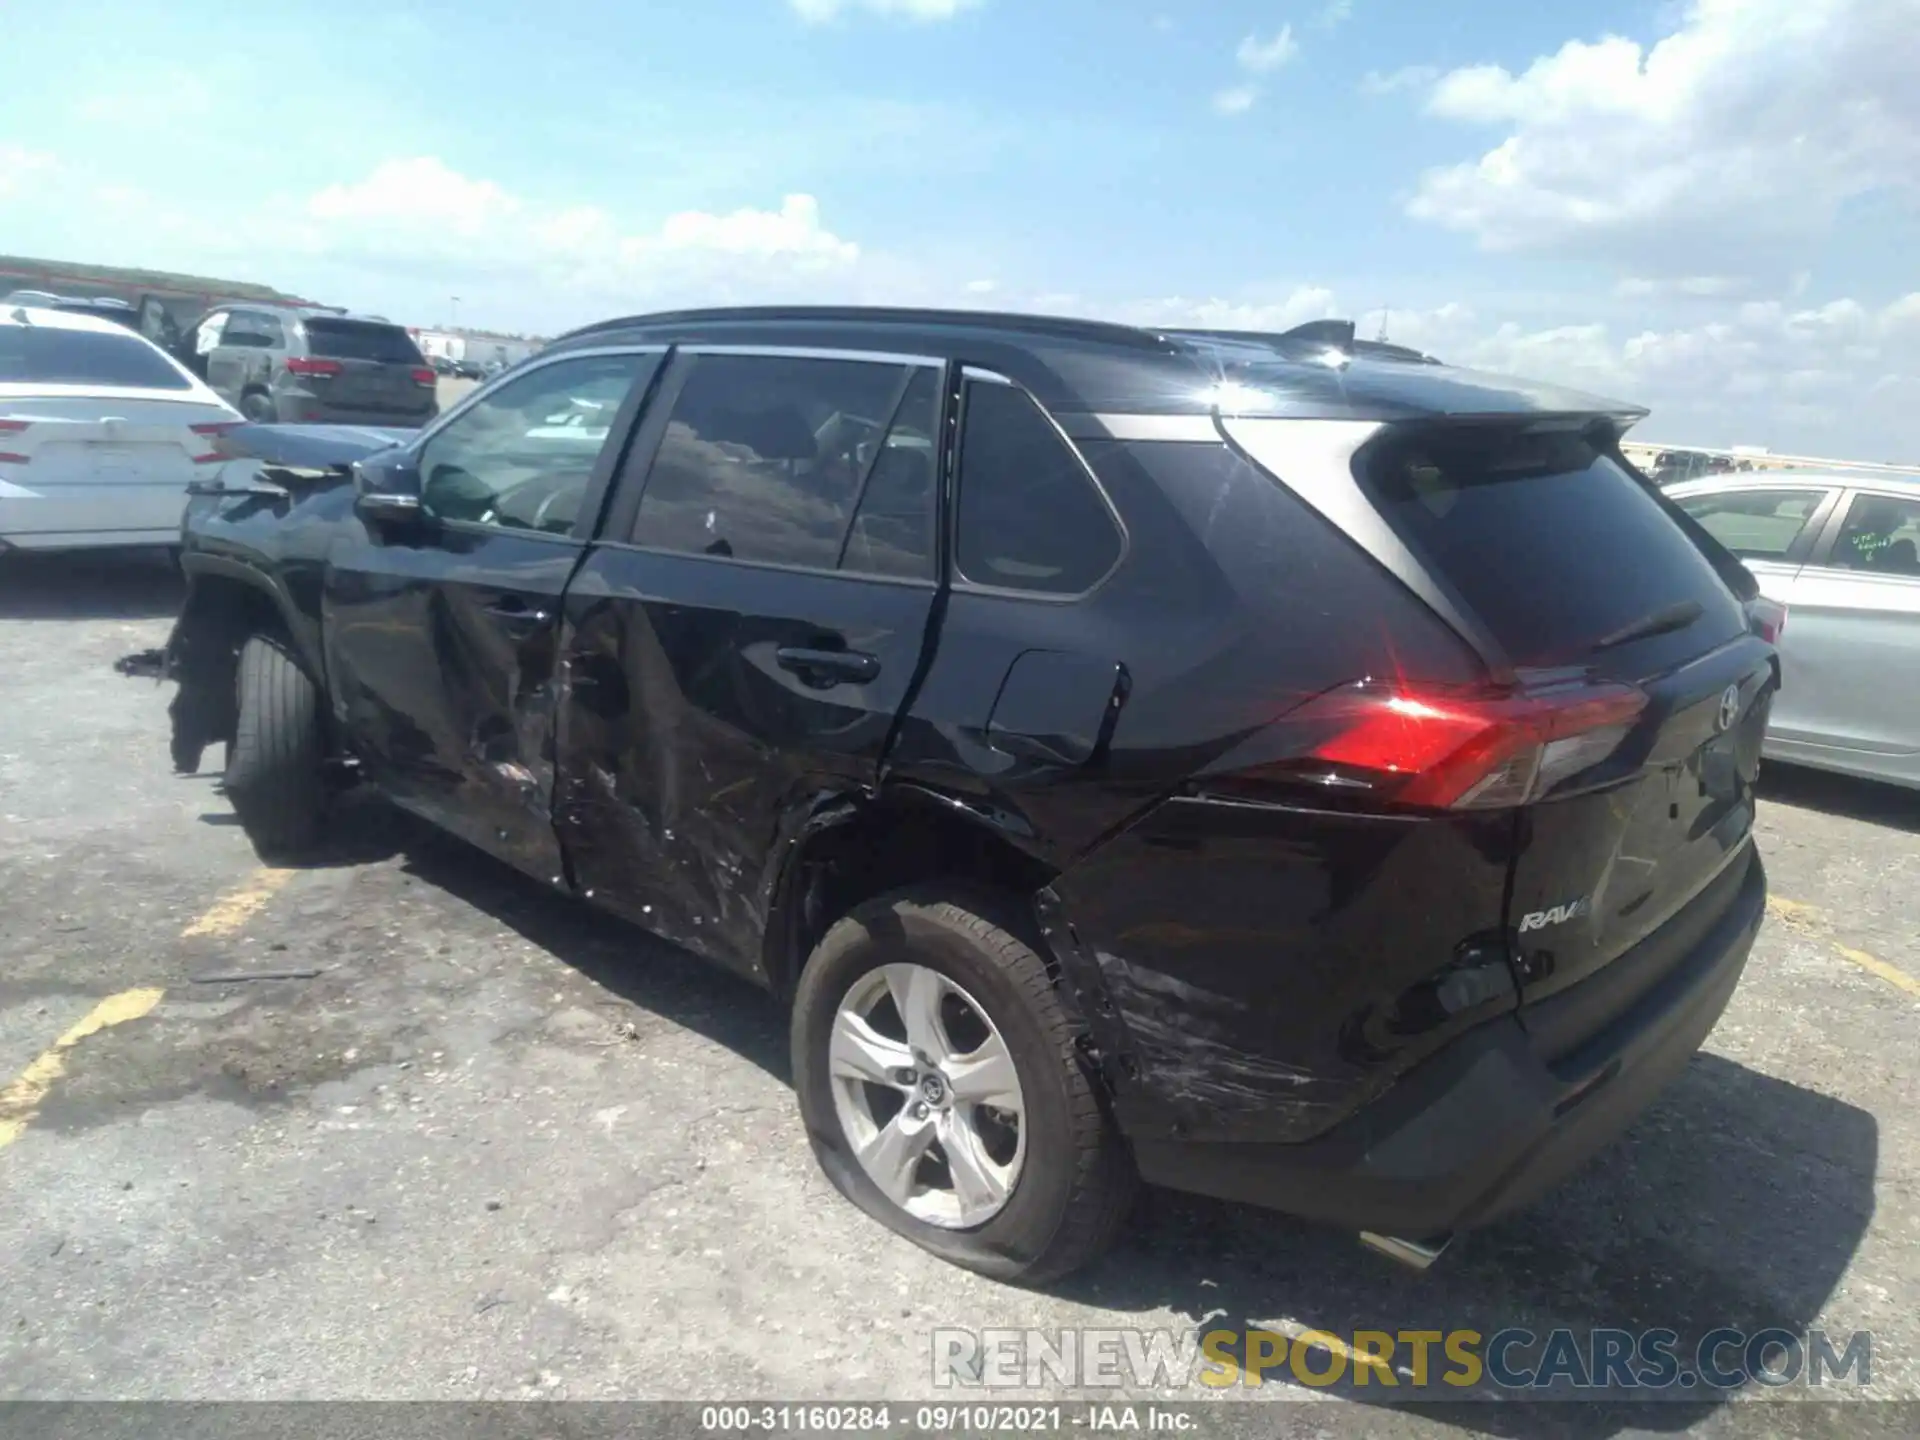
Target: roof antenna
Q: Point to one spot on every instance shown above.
(1382, 336)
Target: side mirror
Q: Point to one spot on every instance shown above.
(387, 492)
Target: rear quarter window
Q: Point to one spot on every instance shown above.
(1548, 540)
(48, 356)
(1030, 516)
(362, 340)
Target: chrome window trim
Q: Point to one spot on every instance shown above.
(912, 582)
(809, 352)
(1314, 459)
(1185, 429)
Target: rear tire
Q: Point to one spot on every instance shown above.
(258, 407)
(1073, 1181)
(274, 776)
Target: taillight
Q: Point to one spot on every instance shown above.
(1767, 618)
(13, 427)
(1446, 750)
(317, 369)
(214, 430)
(424, 376)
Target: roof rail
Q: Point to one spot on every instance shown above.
(1051, 326)
(1335, 334)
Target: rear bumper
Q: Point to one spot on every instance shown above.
(301, 407)
(1487, 1124)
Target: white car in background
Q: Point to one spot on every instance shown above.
(101, 432)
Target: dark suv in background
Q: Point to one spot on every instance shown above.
(278, 363)
(1271, 765)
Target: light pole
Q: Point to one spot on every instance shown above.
(455, 325)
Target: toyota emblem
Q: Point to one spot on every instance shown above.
(1729, 708)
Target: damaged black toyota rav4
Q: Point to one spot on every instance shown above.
(1273, 766)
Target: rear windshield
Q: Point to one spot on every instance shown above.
(1550, 542)
(362, 340)
(49, 356)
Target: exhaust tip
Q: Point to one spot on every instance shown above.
(1415, 1254)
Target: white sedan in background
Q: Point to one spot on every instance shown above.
(1841, 550)
(100, 433)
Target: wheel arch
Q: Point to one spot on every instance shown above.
(846, 849)
(226, 601)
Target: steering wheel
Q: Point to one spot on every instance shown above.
(499, 503)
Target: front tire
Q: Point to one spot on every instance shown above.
(944, 1094)
(274, 773)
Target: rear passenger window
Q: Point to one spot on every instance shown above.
(1030, 517)
(1882, 535)
(764, 457)
(1755, 524)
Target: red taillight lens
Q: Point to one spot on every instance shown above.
(214, 430)
(1440, 750)
(424, 376)
(317, 369)
(1768, 618)
(13, 427)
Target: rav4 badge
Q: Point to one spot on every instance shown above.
(1557, 915)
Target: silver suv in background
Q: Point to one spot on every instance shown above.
(288, 364)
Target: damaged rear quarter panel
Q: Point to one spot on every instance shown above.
(1268, 969)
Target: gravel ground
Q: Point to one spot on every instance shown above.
(499, 1147)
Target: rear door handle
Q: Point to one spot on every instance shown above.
(828, 667)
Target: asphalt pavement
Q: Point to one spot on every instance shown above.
(454, 1137)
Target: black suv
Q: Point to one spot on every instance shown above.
(1262, 764)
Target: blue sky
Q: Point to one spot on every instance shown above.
(1707, 208)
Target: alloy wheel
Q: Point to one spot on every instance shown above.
(927, 1095)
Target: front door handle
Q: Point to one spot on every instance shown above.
(828, 667)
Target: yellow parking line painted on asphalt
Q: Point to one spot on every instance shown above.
(1874, 965)
(229, 913)
(1805, 917)
(1792, 910)
(20, 1101)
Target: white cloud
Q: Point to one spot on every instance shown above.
(413, 228)
(1334, 13)
(819, 12)
(981, 287)
(1307, 302)
(1235, 99)
(21, 167)
(1699, 287)
(421, 192)
(1407, 77)
(1258, 56)
(1742, 131)
(1838, 379)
